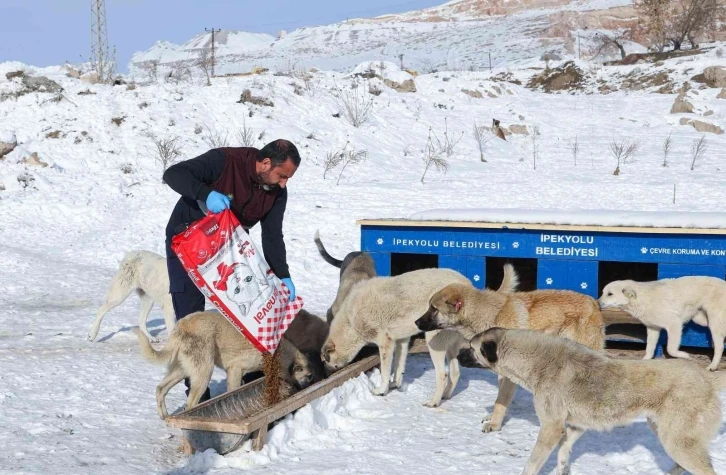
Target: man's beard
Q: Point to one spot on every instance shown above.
(262, 178)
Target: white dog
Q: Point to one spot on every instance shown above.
(146, 273)
(669, 304)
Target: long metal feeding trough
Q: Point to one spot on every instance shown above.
(222, 425)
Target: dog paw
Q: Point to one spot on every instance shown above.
(91, 337)
(379, 391)
(490, 427)
(712, 367)
(431, 404)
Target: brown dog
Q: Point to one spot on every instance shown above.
(202, 340)
(558, 312)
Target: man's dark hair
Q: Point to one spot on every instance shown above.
(279, 151)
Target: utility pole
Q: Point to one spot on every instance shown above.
(400, 56)
(213, 32)
(490, 61)
(101, 60)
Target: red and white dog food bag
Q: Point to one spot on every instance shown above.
(225, 265)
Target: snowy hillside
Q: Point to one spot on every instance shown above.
(82, 187)
(462, 35)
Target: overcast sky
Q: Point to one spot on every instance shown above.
(50, 32)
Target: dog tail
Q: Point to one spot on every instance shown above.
(321, 249)
(510, 282)
(162, 356)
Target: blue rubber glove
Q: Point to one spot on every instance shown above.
(290, 286)
(217, 202)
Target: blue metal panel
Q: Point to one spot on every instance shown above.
(592, 246)
(458, 263)
(580, 276)
(382, 262)
(568, 258)
(476, 271)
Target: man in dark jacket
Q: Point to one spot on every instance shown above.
(248, 181)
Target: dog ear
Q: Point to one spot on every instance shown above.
(630, 293)
(455, 302)
(489, 350)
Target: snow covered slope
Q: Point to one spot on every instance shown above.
(459, 35)
(69, 406)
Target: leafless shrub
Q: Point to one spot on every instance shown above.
(667, 145)
(204, 63)
(433, 155)
(165, 150)
(215, 139)
(574, 147)
(448, 145)
(355, 104)
(719, 52)
(621, 151)
(332, 160)
(246, 135)
(698, 148)
(482, 135)
(346, 156)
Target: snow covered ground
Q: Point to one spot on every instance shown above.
(72, 406)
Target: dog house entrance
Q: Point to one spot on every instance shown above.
(526, 270)
(402, 263)
(611, 271)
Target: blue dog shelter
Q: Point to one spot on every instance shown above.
(579, 250)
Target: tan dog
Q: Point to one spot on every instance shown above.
(470, 311)
(576, 389)
(382, 310)
(202, 340)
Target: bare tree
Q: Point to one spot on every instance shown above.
(433, 156)
(204, 63)
(153, 70)
(165, 150)
(698, 149)
(690, 18)
(621, 151)
(608, 42)
(667, 145)
(215, 139)
(574, 148)
(246, 135)
(653, 16)
(482, 135)
(355, 103)
(674, 21)
(534, 137)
